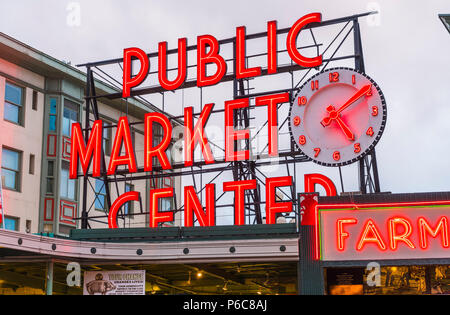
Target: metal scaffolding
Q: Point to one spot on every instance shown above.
(289, 158)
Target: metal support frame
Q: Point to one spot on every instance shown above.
(368, 172)
(368, 169)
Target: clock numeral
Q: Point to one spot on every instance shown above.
(297, 121)
(369, 93)
(370, 132)
(302, 100)
(317, 150)
(302, 140)
(314, 85)
(374, 111)
(357, 147)
(353, 79)
(336, 155)
(334, 77)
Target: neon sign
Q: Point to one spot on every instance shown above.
(383, 231)
(208, 53)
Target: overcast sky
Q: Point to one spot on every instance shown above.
(406, 49)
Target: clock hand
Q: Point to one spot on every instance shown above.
(334, 114)
(345, 129)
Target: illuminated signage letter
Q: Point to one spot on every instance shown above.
(93, 148)
(157, 217)
(341, 234)
(312, 179)
(128, 81)
(232, 135)
(194, 135)
(370, 229)
(272, 61)
(394, 237)
(272, 101)
(119, 202)
(272, 206)
(192, 205)
(424, 229)
(204, 58)
(162, 65)
(239, 188)
(241, 70)
(123, 137)
(160, 149)
(291, 41)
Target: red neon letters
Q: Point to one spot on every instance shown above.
(208, 53)
(159, 151)
(397, 230)
(204, 58)
(272, 206)
(192, 205)
(239, 188)
(241, 70)
(79, 149)
(272, 102)
(291, 41)
(194, 135)
(162, 65)
(119, 202)
(312, 179)
(123, 138)
(128, 80)
(232, 135)
(157, 217)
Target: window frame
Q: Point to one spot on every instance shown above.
(98, 193)
(73, 106)
(18, 177)
(75, 191)
(21, 114)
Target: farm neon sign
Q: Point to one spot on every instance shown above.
(383, 231)
(89, 154)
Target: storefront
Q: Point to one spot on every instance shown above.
(379, 244)
(256, 260)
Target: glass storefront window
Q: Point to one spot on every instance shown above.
(393, 280)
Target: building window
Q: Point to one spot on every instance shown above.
(52, 115)
(107, 135)
(11, 164)
(14, 99)
(50, 177)
(35, 100)
(128, 207)
(100, 195)
(70, 116)
(31, 165)
(166, 204)
(11, 223)
(68, 186)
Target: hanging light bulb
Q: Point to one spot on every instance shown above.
(199, 274)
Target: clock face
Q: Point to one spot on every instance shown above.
(337, 116)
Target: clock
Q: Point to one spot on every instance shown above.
(337, 116)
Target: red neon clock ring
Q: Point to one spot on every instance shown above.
(337, 116)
